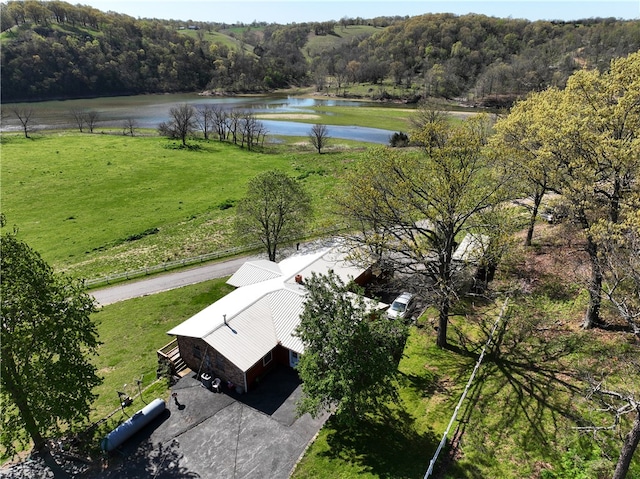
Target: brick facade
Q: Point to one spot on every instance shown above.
(201, 357)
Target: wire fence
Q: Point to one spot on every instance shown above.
(181, 263)
(443, 441)
(168, 266)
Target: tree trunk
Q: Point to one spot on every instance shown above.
(592, 316)
(537, 199)
(12, 382)
(443, 321)
(628, 449)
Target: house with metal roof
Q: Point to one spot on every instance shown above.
(240, 337)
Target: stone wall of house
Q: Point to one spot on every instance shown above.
(199, 356)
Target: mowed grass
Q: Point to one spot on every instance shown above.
(132, 331)
(99, 204)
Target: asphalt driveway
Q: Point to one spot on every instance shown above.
(221, 435)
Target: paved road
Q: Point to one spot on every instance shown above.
(197, 274)
(166, 282)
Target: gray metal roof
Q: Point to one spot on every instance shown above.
(286, 308)
(472, 248)
(248, 337)
(265, 310)
(255, 272)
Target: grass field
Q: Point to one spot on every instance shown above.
(386, 118)
(98, 204)
(323, 43)
(93, 204)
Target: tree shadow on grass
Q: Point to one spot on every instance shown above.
(386, 443)
(523, 391)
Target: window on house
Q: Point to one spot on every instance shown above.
(267, 359)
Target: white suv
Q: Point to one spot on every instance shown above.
(402, 307)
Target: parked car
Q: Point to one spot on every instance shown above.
(402, 307)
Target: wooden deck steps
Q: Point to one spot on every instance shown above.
(171, 353)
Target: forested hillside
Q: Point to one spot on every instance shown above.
(58, 50)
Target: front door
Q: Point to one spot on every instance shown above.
(293, 358)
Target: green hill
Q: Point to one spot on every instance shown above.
(59, 50)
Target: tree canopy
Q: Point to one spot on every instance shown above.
(48, 338)
(351, 351)
(410, 210)
(276, 209)
(59, 50)
(586, 136)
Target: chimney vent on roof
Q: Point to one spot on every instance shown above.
(299, 279)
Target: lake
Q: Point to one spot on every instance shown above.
(151, 110)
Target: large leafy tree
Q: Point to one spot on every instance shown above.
(619, 246)
(275, 209)
(411, 210)
(588, 132)
(47, 339)
(517, 147)
(351, 352)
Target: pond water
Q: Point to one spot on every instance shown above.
(151, 110)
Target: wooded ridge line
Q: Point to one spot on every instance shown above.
(55, 50)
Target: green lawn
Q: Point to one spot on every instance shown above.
(99, 204)
(517, 421)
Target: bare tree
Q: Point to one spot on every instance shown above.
(78, 117)
(129, 126)
(83, 117)
(251, 130)
(182, 123)
(233, 124)
(319, 136)
(91, 118)
(25, 117)
(205, 116)
(221, 122)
